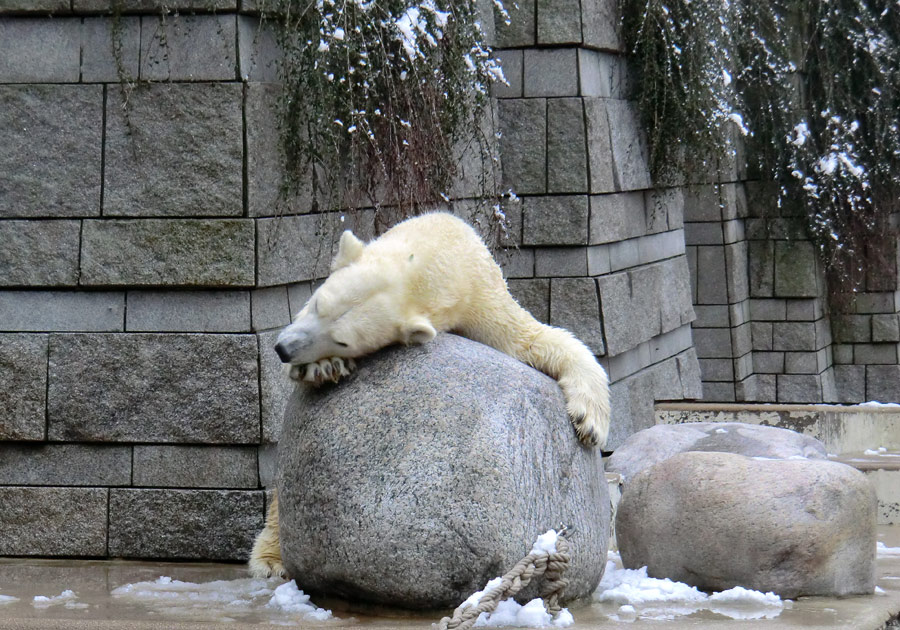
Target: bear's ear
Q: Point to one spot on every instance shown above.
(349, 251)
(417, 329)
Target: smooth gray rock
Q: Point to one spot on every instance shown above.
(184, 524)
(719, 520)
(176, 149)
(23, 386)
(429, 472)
(153, 252)
(53, 521)
(170, 388)
(188, 311)
(551, 72)
(195, 466)
(51, 139)
(659, 443)
(65, 465)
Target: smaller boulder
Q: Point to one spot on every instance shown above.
(658, 443)
(719, 520)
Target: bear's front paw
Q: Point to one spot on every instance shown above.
(330, 369)
(589, 411)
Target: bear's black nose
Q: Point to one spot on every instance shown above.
(284, 354)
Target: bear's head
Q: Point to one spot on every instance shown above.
(360, 308)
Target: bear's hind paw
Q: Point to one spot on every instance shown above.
(590, 422)
(266, 568)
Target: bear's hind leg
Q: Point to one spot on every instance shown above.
(265, 559)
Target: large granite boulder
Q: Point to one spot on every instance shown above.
(431, 470)
(650, 446)
(719, 520)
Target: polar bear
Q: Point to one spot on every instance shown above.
(428, 274)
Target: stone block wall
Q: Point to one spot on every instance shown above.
(601, 252)
(766, 329)
(148, 262)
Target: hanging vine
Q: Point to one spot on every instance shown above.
(813, 89)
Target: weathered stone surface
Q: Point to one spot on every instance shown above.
(420, 475)
(275, 387)
(630, 307)
(294, 249)
(852, 328)
(762, 268)
(794, 527)
(51, 139)
(266, 195)
(195, 466)
(523, 124)
(53, 521)
(38, 253)
(260, 54)
(37, 50)
(186, 252)
(560, 262)
(796, 336)
(154, 388)
(600, 154)
(184, 524)
(712, 279)
(883, 383)
(885, 328)
(23, 386)
(100, 37)
(559, 21)
(658, 443)
(551, 72)
(574, 305)
(796, 271)
(155, 6)
(189, 48)
(511, 62)
(556, 220)
(799, 388)
(64, 465)
(533, 296)
(270, 308)
(567, 162)
(62, 311)
(628, 146)
(188, 311)
(601, 25)
(520, 29)
(35, 6)
(617, 217)
(175, 150)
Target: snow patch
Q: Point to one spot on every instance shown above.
(636, 595)
(289, 598)
(875, 403)
(7, 599)
(66, 598)
(883, 550)
(546, 542)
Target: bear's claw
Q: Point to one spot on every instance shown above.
(330, 369)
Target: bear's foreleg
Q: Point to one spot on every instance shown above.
(265, 559)
(329, 369)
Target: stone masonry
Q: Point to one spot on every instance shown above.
(147, 263)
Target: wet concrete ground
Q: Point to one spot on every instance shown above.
(96, 607)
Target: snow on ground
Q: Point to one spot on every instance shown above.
(875, 403)
(883, 550)
(630, 594)
(222, 600)
(7, 599)
(67, 598)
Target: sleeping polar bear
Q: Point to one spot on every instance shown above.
(428, 274)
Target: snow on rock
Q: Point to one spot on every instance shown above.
(546, 542)
(883, 550)
(289, 598)
(875, 403)
(631, 594)
(7, 599)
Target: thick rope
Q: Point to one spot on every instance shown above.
(550, 565)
